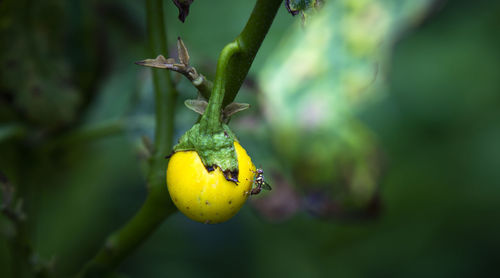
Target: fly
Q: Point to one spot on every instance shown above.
(260, 182)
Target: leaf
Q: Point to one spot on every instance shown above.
(160, 62)
(182, 52)
(197, 105)
(183, 6)
(234, 108)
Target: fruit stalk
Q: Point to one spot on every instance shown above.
(235, 61)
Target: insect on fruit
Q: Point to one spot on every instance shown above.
(260, 182)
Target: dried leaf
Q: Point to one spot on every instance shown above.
(161, 63)
(182, 52)
(234, 108)
(197, 105)
(158, 62)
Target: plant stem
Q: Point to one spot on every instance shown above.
(249, 42)
(235, 61)
(203, 85)
(210, 120)
(158, 205)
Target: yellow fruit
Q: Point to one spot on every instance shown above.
(204, 196)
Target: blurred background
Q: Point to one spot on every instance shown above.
(377, 124)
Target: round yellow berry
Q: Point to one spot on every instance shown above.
(204, 196)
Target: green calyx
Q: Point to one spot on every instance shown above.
(215, 149)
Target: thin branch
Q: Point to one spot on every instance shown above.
(158, 205)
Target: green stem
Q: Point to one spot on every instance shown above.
(120, 244)
(235, 61)
(158, 205)
(210, 120)
(203, 85)
(249, 42)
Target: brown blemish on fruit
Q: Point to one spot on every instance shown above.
(230, 202)
(207, 203)
(210, 168)
(231, 175)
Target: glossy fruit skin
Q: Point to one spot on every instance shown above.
(207, 197)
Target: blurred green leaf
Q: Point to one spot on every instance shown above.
(316, 84)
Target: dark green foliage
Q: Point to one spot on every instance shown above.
(36, 78)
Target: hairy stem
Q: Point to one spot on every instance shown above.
(158, 205)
